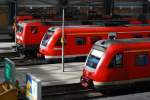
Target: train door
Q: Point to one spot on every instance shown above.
(58, 45)
(69, 45)
(34, 33)
(118, 68)
(139, 65)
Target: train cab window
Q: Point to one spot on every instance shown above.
(47, 37)
(117, 61)
(80, 40)
(34, 29)
(94, 39)
(137, 36)
(19, 29)
(141, 60)
(94, 58)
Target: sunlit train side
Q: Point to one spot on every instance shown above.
(29, 35)
(117, 63)
(79, 40)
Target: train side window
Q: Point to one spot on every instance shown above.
(141, 60)
(80, 40)
(34, 29)
(137, 36)
(95, 39)
(117, 61)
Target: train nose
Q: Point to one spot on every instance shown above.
(83, 82)
(42, 51)
(86, 82)
(19, 39)
(87, 73)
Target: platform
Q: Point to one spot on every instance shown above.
(6, 49)
(50, 74)
(6, 45)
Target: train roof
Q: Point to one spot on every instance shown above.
(76, 26)
(98, 29)
(78, 22)
(22, 23)
(108, 42)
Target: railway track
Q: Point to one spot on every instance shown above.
(69, 92)
(28, 61)
(20, 60)
(77, 92)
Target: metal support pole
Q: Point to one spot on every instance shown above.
(15, 19)
(62, 39)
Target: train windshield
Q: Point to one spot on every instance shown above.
(94, 58)
(47, 37)
(19, 29)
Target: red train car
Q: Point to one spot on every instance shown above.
(79, 39)
(29, 35)
(117, 63)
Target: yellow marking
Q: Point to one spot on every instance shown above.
(137, 50)
(28, 88)
(62, 40)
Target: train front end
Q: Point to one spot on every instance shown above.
(46, 45)
(90, 74)
(20, 36)
(95, 73)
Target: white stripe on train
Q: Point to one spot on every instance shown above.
(121, 82)
(66, 56)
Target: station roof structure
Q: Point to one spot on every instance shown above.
(56, 2)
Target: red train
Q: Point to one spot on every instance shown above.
(29, 35)
(80, 39)
(117, 63)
